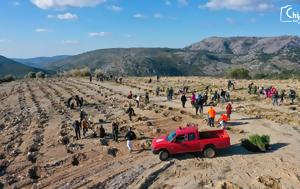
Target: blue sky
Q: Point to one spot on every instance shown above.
(31, 28)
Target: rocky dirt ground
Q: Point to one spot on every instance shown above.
(39, 150)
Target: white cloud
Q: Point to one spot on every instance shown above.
(16, 3)
(183, 2)
(2, 40)
(66, 16)
(230, 20)
(57, 4)
(242, 5)
(157, 15)
(167, 2)
(98, 34)
(115, 8)
(69, 42)
(139, 15)
(42, 30)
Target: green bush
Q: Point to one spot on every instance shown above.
(257, 143)
(98, 72)
(31, 75)
(78, 72)
(260, 76)
(238, 73)
(7, 78)
(40, 75)
(285, 74)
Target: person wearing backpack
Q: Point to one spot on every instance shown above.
(130, 112)
(130, 136)
(102, 132)
(76, 126)
(275, 97)
(183, 100)
(115, 132)
(85, 126)
(201, 103)
(147, 99)
(292, 95)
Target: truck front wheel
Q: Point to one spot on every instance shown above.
(209, 152)
(163, 155)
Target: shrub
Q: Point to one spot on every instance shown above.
(260, 76)
(238, 73)
(78, 72)
(98, 72)
(40, 75)
(7, 78)
(257, 143)
(31, 75)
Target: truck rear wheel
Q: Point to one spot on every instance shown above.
(163, 155)
(209, 152)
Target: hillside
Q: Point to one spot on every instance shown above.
(40, 62)
(211, 56)
(8, 66)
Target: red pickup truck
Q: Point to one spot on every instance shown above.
(189, 139)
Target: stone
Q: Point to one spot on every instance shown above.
(112, 151)
(270, 182)
(103, 142)
(146, 144)
(156, 131)
(3, 165)
(77, 158)
(176, 118)
(230, 185)
(65, 140)
(149, 123)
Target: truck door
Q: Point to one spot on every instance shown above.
(191, 143)
(178, 145)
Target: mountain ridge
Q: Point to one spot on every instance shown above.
(11, 67)
(210, 57)
(40, 62)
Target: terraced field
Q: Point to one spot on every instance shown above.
(39, 148)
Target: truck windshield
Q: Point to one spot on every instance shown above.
(171, 136)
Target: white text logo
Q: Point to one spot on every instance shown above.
(288, 14)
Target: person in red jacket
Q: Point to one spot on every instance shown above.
(222, 121)
(228, 110)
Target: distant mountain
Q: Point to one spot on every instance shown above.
(41, 62)
(8, 66)
(211, 56)
(246, 45)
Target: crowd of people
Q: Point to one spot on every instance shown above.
(273, 93)
(208, 97)
(75, 101)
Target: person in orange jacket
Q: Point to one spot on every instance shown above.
(211, 116)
